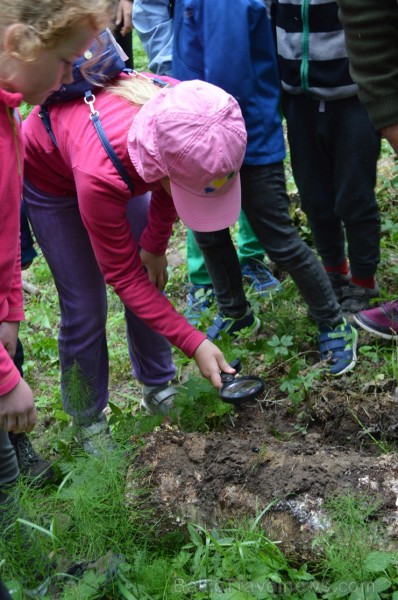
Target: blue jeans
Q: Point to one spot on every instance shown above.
(65, 244)
(334, 151)
(266, 205)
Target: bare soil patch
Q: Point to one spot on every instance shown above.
(339, 443)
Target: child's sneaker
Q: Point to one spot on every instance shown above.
(355, 298)
(158, 400)
(339, 346)
(200, 297)
(96, 438)
(248, 323)
(338, 281)
(255, 273)
(382, 321)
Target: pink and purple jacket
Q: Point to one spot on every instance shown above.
(80, 167)
(11, 165)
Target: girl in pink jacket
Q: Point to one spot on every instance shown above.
(93, 230)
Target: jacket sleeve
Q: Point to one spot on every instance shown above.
(371, 32)
(104, 216)
(154, 25)
(161, 217)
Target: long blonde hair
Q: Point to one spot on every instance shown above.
(137, 88)
(47, 21)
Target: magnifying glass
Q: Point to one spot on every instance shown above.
(240, 389)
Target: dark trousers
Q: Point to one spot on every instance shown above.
(4, 594)
(334, 151)
(266, 204)
(126, 43)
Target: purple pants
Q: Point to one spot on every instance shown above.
(65, 244)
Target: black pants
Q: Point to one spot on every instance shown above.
(4, 595)
(126, 44)
(266, 204)
(334, 151)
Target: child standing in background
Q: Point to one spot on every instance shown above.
(154, 24)
(205, 47)
(333, 147)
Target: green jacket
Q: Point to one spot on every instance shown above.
(371, 30)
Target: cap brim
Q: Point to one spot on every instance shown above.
(208, 213)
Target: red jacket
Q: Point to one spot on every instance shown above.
(81, 167)
(11, 164)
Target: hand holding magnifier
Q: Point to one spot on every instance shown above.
(240, 389)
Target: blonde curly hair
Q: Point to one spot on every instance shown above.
(47, 21)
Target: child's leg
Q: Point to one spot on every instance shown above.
(224, 269)
(249, 246)
(197, 272)
(150, 353)
(267, 207)
(356, 148)
(83, 352)
(312, 167)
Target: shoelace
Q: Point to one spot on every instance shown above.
(26, 452)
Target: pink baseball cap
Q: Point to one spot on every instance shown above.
(193, 133)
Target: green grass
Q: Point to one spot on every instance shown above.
(100, 515)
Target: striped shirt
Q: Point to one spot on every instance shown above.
(311, 49)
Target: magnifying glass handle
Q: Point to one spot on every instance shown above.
(227, 377)
(236, 364)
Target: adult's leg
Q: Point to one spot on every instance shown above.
(150, 353)
(83, 352)
(126, 43)
(266, 204)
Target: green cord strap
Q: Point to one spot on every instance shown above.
(305, 46)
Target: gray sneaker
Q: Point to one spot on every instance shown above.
(96, 438)
(355, 298)
(158, 400)
(339, 281)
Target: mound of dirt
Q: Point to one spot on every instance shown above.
(268, 454)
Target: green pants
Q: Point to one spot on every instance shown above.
(248, 247)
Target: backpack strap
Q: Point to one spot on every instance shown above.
(89, 99)
(45, 117)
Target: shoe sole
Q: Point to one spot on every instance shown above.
(352, 364)
(384, 336)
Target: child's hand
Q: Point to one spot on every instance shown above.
(156, 267)
(211, 361)
(9, 336)
(17, 409)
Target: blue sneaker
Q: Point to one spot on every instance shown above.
(256, 274)
(248, 323)
(200, 297)
(339, 345)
